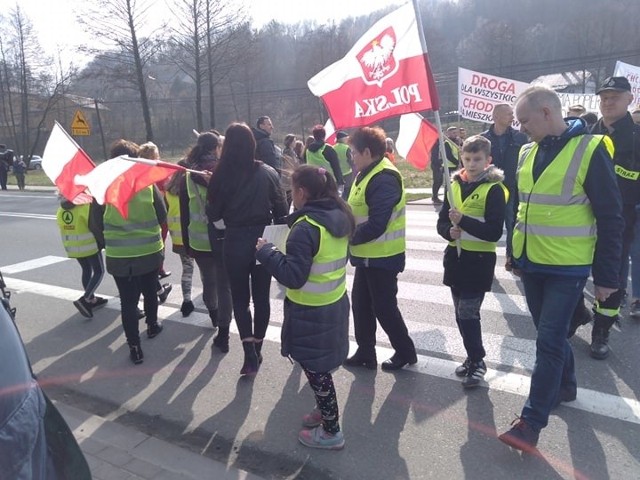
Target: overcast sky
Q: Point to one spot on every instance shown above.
(55, 20)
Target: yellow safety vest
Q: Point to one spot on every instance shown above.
(392, 241)
(555, 223)
(77, 239)
(455, 151)
(136, 236)
(198, 229)
(317, 158)
(341, 150)
(474, 206)
(173, 219)
(327, 281)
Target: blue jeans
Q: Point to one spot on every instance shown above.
(551, 300)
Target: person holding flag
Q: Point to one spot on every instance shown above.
(377, 251)
(134, 250)
(202, 240)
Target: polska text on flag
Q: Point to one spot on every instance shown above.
(62, 160)
(385, 74)
(117, 181)
(416, 138)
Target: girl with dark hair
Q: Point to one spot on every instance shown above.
(245, 193)
(134, 251)
(315, 331)
(206, 249)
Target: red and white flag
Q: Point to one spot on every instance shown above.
(62, 160)
(116, 181)
(385, 74)
(331, 133)
(416, 138)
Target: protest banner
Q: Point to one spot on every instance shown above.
(590, 101)
(478, 93)
(633, 75)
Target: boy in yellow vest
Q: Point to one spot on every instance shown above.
(476, 221)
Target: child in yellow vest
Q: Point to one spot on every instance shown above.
(315, 331)
(81, 230)
(475, 222)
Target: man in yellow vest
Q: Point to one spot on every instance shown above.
(346, 162)
(566, 188)
(377, 250)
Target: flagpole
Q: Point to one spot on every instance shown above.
(436, 113)
(160, 163)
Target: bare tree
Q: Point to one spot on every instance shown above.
(29, 84)
(120, 24)
(204, 41)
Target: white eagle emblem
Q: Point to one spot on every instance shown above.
(377, 60)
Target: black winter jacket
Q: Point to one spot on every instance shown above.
(316, 337)
(266, 149)
(626, 140)
(472, 272)
(260, 200)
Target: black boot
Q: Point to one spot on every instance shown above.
(135, 354)
(600, 336)
(250, 365)
(581, 316)
(258, 345)
(222, 339)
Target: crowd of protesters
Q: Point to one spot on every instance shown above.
(347, 203)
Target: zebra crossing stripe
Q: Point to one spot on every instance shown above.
(621, 408)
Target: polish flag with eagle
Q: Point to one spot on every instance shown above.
(385, 74)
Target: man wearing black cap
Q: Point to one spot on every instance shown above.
(616, 122)
(346, 163)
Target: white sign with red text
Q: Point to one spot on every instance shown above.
(633, 75)
(478, 93)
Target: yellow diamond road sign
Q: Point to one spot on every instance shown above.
(80, 125)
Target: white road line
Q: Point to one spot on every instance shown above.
(39, 216)
(612, 406)
(32, 264)
(23, 196)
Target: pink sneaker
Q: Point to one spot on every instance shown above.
(313, 419)
(318, 438)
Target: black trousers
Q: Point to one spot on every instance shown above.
(130, 289)
(248, 281)
(374, 296)
(3, 178)
(438, 176)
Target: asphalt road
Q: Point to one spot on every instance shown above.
(418, 423)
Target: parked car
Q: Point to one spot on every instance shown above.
(36, 162)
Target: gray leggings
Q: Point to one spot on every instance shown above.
(216, 292)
